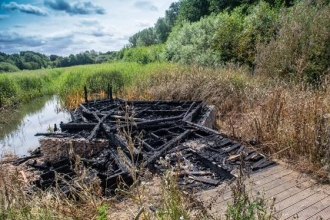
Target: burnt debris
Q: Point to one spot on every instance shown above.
(157, 135)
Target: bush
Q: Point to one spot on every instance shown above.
(141, 55)
(7, 67)
(192, 43)
(301, 51)
(228, 37)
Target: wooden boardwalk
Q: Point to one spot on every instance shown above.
(296, 196)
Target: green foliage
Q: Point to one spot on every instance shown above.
(172, 200)
(102, 212)
(28, 60)
(192, 43)
(172, 13)
(162, 30)
(141, 55)
(301, 50)
(228, 37)
(227, 34)
(8, 87)
(146, 37)
(193, 10)
(8, 67)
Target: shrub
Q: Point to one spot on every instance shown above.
(301, 51)
(8, 67)
(192, 43)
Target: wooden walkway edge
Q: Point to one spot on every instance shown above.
(296, 195)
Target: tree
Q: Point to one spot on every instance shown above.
(162, 30)
(193, 10)
(172, 13)
(146, 37)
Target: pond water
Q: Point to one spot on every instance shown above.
(18, 127)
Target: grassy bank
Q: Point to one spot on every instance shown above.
(68, 82)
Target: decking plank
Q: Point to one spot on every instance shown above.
(322, 214)
(303, 205)
(293, 203)
(313, 209)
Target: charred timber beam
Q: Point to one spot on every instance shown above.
(205, 180)
(190, 116)
(123, 117)
(24, 159)
(166, 147)
(119, 140)
(205, 129)
(190, 107)
(157, 123)
(96, 128)
(217, 169)
(84, 109)
(53, 134)
(77, 126)
(114, 156)
(159, 102)
(146, 145)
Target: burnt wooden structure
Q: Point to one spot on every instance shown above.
(151, 134)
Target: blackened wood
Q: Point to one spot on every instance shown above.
(85, 90)
(48, 175)
(54, 134)
(84, 109)
(232, 147)
(162, 150)
(217, 169)
(77, 126)
(191, 116)
(114, 156)
(205, 129)
(261, 163)
(195, 173)
(123, 117)
(205, 180)
(190, 107)
(24, 159)
(96, 128)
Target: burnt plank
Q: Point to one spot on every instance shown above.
(205, 180)
(166, 147)
(77, 126)
(217, 169)
(190, 116)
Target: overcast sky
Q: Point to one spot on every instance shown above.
(64, 27)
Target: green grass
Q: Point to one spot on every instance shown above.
(23, 86)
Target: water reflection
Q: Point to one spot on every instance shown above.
(17, 129)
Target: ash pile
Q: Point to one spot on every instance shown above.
(112, 136)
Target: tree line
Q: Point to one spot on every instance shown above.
(29, 60)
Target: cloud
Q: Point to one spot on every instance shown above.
(12, 42)
(13, 39)
(142, 23)
(82, 8)
(3, 17)
(145, 5)
(94, 28)
(89, 23)
(29, 9)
